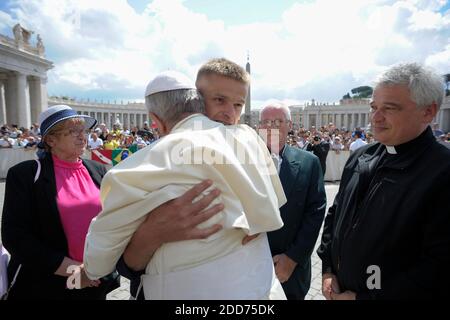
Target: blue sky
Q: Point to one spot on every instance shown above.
(233, 12)
(299, 50)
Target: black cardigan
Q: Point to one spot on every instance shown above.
(33, 234)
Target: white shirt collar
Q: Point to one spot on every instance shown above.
(391, 150)
(277, 161)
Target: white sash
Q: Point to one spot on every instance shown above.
(245, 274)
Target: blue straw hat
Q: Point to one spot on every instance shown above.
(55, 114)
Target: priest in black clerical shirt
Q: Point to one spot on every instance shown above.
(387, 235)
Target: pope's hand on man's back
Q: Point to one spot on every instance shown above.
(178, 219)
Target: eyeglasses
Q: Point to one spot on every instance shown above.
(75, 132)
(272, 123)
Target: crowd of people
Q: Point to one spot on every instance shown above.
(13, 137)
(101, 137)
(341, 139)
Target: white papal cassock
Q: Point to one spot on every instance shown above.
(237, 160)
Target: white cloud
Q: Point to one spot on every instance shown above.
(318, 49)
(6, 21)
(440, 60)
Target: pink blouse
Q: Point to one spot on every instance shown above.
(78, 200)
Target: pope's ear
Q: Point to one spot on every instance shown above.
(159, 123)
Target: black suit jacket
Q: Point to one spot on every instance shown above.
(33, 234)
(321, 151)
(302, 180)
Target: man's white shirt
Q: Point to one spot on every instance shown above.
(358, 143)
(95, 144)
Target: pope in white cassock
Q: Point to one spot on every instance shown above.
(195, 148)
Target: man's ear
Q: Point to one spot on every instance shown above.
(162, 128)
(429, 112)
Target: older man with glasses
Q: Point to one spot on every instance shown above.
(301, 177)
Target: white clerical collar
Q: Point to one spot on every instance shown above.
(391, 150)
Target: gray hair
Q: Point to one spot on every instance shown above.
(169, 106)
(425, 85)
(277, 105)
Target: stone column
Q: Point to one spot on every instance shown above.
(312, 120)
(23, 101)
(119, 116)
(124, 121)
(11, 99)
(306, 120)
(38, 97)
(444, 122)
(138, 120)
(112, 119)
(2, 104)
(132, 122)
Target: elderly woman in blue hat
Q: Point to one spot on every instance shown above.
(49, 204)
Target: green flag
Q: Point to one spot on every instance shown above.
(121, 154)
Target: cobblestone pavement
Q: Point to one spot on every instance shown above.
(314, 293)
